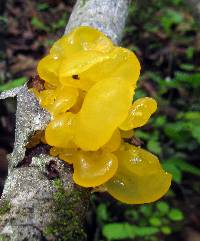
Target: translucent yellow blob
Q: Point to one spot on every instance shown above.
(54, 151)
(140, 178)
(76, 108)
(80, 62)
(114, 142)
(139, 113)
(66, 154)
(48, 69)
(127, 134)
(46, 98)
(104, 108)
(58, 100)
(92, 169)
(89, 87)
(66, 97)
(90, 39)
(60, 130)
(81, 39)
(118, 63)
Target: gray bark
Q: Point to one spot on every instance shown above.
(40, 201)
(106, 15)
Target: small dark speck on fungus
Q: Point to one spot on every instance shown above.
(75, 76)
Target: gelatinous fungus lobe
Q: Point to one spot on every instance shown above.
(89, 87)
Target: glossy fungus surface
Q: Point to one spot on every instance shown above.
(89, 88)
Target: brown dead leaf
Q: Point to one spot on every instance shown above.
(23, 64)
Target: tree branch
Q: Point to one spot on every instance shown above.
(106, 15)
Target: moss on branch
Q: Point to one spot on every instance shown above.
(68, 225)
(5, 207)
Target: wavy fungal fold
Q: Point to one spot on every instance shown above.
(89, 88)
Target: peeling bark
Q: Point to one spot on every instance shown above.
(40, 201)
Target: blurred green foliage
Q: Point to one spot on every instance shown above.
(41, 26)
(13, 83)
(145, 221)
(48, 26)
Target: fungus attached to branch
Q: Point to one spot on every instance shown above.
(89, 86)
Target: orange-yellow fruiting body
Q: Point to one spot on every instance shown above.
(140, 177)
(94, 168)
(139, 113)
(89, 86)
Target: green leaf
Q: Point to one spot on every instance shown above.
(115, 231)
(189, 79)
(49, 42)
(139, 93)
(187, 67)
(163, 207)
(134, 214)
(38, 24)
(142, 134)
(190, 52)
(170, 167)
(60, 23)
(176, 2)
(176, 215)
(196, 132)
(146, 210)
(190, 115)
(146, 231)
(3, 19)
(166, 230)
(102, 213)
(186, 167)
(154, 221)
(170, 18)
(154, 146)
(160, 121)
(12, 84)
(175, 131)
(42, 6)
(132, 9)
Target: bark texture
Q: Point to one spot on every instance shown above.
(40, 201)
(108, 16)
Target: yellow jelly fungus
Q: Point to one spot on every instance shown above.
(47, 98)
(126, 134)
(114, 142)
(140, 178)
(92, 169)
(48, 69)
(104, 108)
(59, 131)
(54, 151)
(68, 155)
(65, 98)
(139, 113)
(88, 90)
